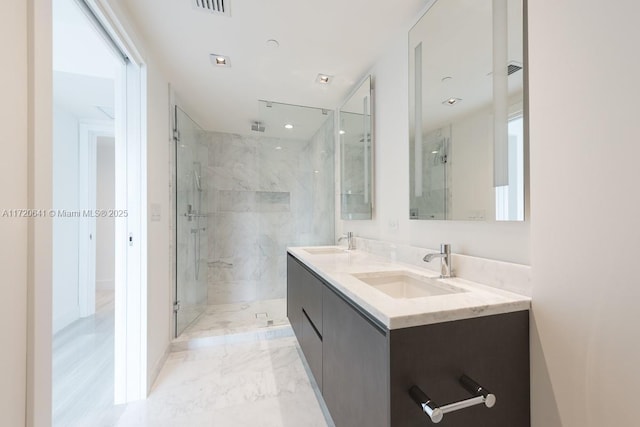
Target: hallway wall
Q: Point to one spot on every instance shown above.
(66, 245)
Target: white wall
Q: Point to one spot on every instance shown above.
(471, 162)
(13, 195)
(105, 226)
(65, 230)
(585, 128)
(501, 241)
(160, 252)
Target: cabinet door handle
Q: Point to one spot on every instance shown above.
(436, 412)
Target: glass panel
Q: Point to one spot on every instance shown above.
(191, 220)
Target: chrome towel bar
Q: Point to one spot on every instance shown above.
(436, 412)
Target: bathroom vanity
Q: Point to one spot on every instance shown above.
(371, 330)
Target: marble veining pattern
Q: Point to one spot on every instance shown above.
(234, 318)
(476, 300)
(264, 194)
(258, 383)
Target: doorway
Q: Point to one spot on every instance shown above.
(98, 212)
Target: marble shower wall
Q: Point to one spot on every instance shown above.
(264, 194)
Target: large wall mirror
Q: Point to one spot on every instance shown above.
(356, 154)
(467, 139)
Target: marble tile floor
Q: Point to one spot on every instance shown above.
(261, 382)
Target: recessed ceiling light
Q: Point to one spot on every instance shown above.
(288, 126)
(278, 148)
(434, 152)
(220, 60)
(451, 101)
(316, 171)
(324, 79)
(341, 132)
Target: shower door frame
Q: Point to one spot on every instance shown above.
(176, 139)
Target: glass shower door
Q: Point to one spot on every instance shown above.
(191, 221)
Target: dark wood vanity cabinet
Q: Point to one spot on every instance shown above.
(304, 310)
(355, 355)
(365, 371)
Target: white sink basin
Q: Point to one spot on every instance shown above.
(324, 251)
(404, 284)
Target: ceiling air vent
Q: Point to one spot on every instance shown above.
(513, 67)
(218, 7)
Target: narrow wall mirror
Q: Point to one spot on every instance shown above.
(356, 154)
(466, 115)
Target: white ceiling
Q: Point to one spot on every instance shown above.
(342, 38)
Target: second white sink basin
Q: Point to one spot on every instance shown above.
(404, 284)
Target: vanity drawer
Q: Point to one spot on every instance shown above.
(308, 291)
(311, 344)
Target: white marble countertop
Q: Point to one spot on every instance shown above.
(477, 300)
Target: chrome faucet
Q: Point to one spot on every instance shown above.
(445, 260)
(351, 242)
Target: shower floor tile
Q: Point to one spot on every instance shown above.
(236, 318)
